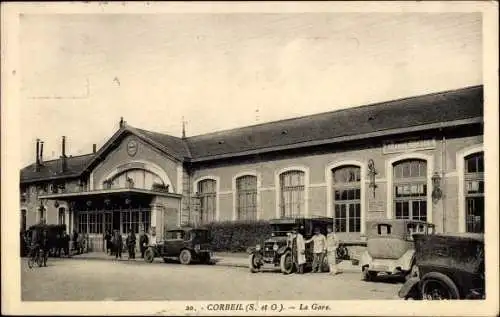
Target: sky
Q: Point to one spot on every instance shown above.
(81, 73)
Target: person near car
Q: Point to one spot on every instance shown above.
(45, 246)
(65, 243)
(130, 241)
(143, 243)
(301, 251)
(107, 238)
(118, 244)
(319, 249)
(332, 243)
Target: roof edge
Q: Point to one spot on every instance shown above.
(341, 139)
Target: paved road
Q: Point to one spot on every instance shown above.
(76, 279)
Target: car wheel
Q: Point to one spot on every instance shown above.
(253, 264)
(185, 257)
(368, 275)
(149, 255)
(437, 286)
(286, 263)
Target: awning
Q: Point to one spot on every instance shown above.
(108, 198)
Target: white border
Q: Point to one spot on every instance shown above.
(460, 164)
(259, 180)
(217, 194)
(306, 187)
(389, 173)
(329, 188)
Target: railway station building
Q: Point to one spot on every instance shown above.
(420, 157)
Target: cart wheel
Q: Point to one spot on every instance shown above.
(185, 257)
(286, 263)
(149, 255)
(254, 266)
(437, 286)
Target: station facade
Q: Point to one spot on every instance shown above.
(419, 158)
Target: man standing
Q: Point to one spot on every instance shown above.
(143, 243)
(319, 249)
(75, 241)
(65, 243)
(44, 244)
(118, 244)
(301, 251)
(107, 239)
(131, 244)
(332, 243)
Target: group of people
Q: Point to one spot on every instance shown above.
(322, 246)
(114, 243)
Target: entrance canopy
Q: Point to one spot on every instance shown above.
(109, 198)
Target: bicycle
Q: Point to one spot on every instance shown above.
(36, 257)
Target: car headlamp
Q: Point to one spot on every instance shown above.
(257, 247)
(275, 247)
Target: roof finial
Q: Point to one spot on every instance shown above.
(183, 128)
(121, 122)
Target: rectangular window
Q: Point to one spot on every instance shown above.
(292, 188)
(340, 218)
(246, 195)
(82, 222)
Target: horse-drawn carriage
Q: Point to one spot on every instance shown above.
(54, 235)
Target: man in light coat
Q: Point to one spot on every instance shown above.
(332, 243)
(319, 249)
(299, 250)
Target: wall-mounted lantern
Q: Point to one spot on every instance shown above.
(56, 204)
(107, 201)
(372, 172)
(437, 193)
(127, 201)
(89, 203)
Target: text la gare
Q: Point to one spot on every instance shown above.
(314, 306)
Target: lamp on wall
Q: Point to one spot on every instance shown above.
(372, 172)
(56, 204)
(437, 193)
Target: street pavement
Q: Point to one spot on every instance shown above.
(95, 280)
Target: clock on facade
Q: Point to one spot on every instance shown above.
(132, 148)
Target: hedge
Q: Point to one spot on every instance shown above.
(237, 236)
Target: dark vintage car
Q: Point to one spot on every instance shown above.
(185, 244)
(450, 266)
(391, 248)
(277, 251)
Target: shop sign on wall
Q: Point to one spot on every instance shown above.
(406, 146)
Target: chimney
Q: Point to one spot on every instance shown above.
(63, 155)
(37, 164)
(40, 160)
(94, 148)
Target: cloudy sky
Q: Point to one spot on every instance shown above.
(80, 73)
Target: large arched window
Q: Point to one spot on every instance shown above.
(246, 197)
(292, 193)
(474, 192)
(136, 178)
(207, 193)
(410, 189)
(347, 198)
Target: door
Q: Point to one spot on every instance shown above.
(174, 242)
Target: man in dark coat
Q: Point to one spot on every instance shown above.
(65, 243)
(117, 244)
(45, 245)
(131, 244)
(109, 244)
(75, 240)
(143, 243)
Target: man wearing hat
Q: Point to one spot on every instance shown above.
(298, 249)
(319, 249)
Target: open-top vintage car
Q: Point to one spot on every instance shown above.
(391, 247)
(186, 244)
(277, 250)
(450, 266)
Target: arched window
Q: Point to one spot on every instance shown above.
(23, 219)
(410, 189)
(292, 189)
(246, 197)
(347, 198)
(62, 216)
(207, 193)
(136, 178)
(474, 192)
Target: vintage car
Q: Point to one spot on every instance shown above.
(186, 244)
(450, 266)
(277, 251)
(391, 248)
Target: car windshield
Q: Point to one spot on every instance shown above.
(282, 229)
(201, 235)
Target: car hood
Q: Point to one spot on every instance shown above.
(278, 240)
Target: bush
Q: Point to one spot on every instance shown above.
(237, 236)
